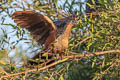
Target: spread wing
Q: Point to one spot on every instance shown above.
(41, 27)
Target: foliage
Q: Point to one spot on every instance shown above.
(92, 36)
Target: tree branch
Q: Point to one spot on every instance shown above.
(65, 58)
(92, 54)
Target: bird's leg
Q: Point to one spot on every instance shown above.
(62, 54)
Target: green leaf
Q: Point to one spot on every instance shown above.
(61, 77)
(91, 6)
(3, 62)
(103, 63)
(93, 1)
(1, 69)
(45, 55)
(94, 61)
(3, 53)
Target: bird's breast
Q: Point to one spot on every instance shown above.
(61, 43)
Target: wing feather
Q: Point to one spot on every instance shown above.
(40, 26)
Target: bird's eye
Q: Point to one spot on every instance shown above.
(72, 21)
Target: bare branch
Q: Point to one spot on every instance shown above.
(92, 54)
(65, 58)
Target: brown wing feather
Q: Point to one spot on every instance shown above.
(39, 25)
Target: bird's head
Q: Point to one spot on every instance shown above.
(69, 19)
(72, 19)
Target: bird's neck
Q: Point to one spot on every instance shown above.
(68, 30)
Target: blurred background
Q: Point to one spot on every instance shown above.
(97, 30)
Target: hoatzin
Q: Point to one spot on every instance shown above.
(54, 35)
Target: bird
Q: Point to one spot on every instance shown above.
(53, 35)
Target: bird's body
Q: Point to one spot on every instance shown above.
(61, 43)
(53, 35)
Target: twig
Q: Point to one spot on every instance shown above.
(81, 42)
(105, 72)
(2, 71)
(60, 70)
(51, 76)
(33, 70)
(85, 39)
(65, 58)
(92, 54)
